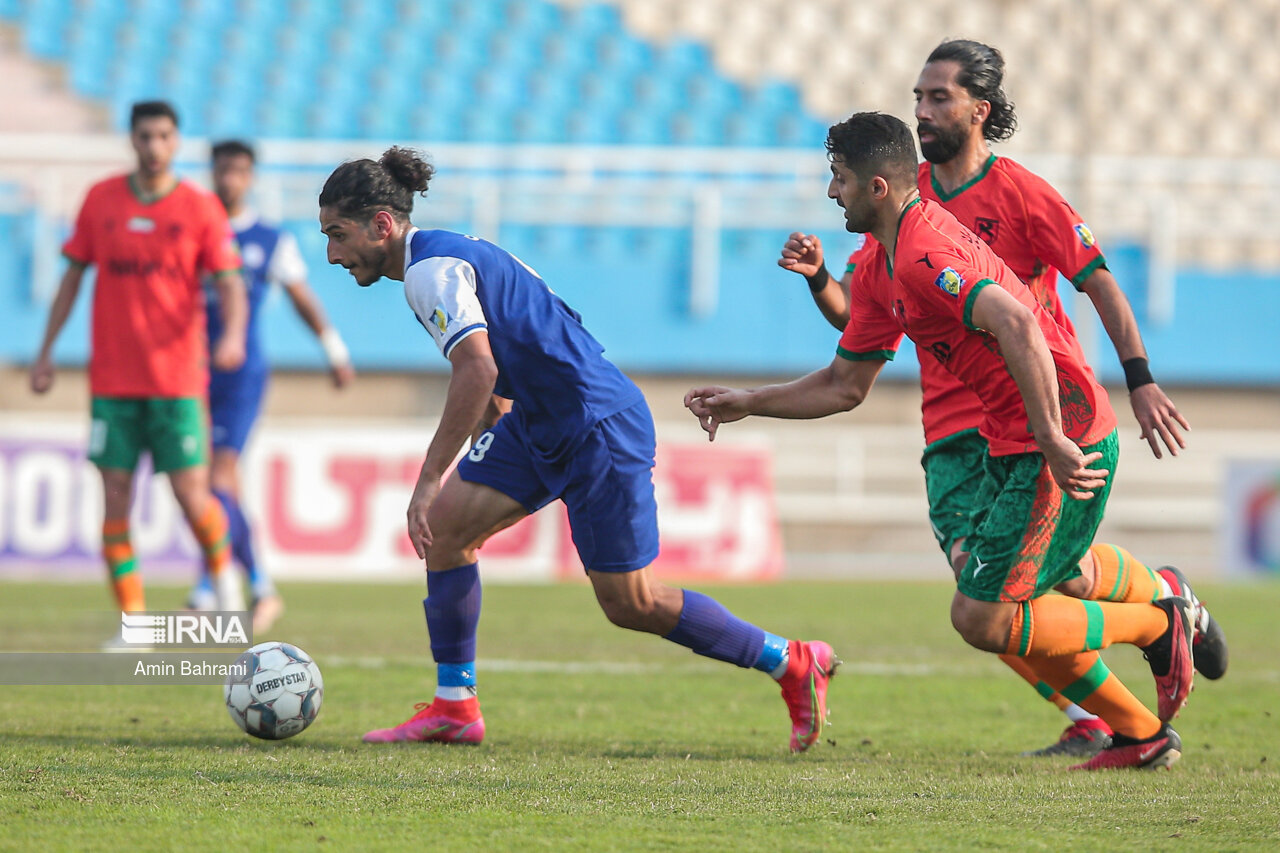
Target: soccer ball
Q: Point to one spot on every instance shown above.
(278, 694)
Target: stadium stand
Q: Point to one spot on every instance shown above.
(476, 71)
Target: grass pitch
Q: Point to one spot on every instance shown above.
(600, 739)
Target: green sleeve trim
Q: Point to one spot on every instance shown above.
(969, 300)
(224, 273)
(874, 355)
(850, 267)
(1078, 280)
(76, 262)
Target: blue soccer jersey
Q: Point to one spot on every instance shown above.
(548, 363)
(269, 255)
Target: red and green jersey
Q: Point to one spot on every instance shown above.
(1025, 222)
(927, 289)
(148, 335)
(1036, 233)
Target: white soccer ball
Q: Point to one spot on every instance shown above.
(278, 694)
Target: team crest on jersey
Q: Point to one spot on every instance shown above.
(1085, 235)
(440, 319)
(950, 281)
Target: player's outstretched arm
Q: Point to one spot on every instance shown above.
(802, 254)
(1031, 365)
(229, 350)
(838, 387)
(41, 377)
(309, 309)
(471, 382)
(1156, 414)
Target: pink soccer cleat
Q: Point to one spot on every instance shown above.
(1084, 738)
(1171, 658)
(1158, 752)
(440, 721)
(804, 689)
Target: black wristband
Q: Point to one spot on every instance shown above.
(1136, 373)
(818, 281)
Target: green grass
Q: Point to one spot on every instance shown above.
(667, 752)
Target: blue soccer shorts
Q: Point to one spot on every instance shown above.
(235, 398)
(605, 481)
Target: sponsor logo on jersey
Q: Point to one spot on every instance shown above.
(950, 281)
(986, 229)
(440, 319)
(1085, 235)
(140, 225)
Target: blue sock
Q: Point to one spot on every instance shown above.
(452, 607)
(242, 545)
(710, 630)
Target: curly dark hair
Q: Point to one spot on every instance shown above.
(982, 76)
(359, 188)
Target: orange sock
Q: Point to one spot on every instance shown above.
(1029, 675)
(213, 534)
(1058, 625)
(1121, 577)
(117, 550)
(1086, 680)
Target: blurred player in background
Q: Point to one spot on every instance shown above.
(152, 236)
(961, 106)
(1050, 432)
(577, 430)
(270, 255)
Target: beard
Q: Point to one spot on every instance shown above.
(859, 221)
(946, 143)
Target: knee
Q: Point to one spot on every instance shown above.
(1081, 587)
(627, 611)
(634, 609)
(977, 626)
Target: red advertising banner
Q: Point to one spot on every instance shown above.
(329, 502)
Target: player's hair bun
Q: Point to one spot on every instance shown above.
(407, 168)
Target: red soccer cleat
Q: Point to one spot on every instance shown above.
(1083, 739)
(1160, 751)
(440, 721)
(804, 689)
(1210, 643)
(1170, 658)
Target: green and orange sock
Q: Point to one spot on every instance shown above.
(126, 580)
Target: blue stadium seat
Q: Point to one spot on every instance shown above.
(645, 127)
(538, 125)
(45, 26)
(585, 126)
(590, 20)
(533, 71)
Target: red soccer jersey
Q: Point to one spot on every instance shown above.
(927, 290)
(1036, 233)
(148, 336)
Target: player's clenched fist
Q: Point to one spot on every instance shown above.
(802, 253)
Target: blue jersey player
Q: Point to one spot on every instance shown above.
(270, 256)
(576, 430)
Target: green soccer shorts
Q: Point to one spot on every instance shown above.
(174, 429)
(1026, 535)
(952, 472)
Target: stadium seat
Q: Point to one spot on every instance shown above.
(491, 70)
